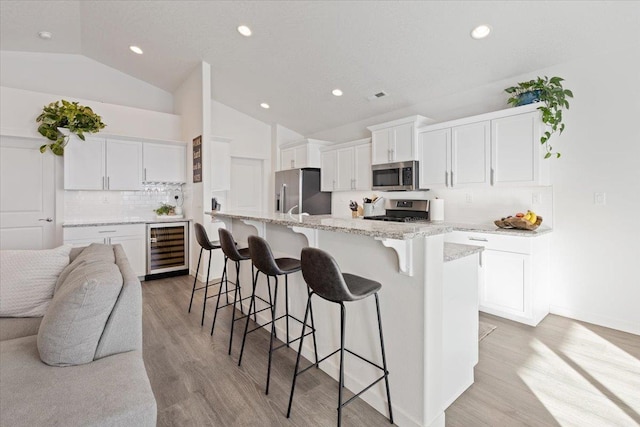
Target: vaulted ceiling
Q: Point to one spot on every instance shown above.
(301, 50)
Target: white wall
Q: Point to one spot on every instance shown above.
(595, 249)
(77, 76)
(249, 137)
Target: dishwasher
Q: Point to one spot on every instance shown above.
(167, 249)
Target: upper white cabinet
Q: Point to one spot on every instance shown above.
(498, 149)
(164, 162)
(516, 154)
(346, 166)
(220, 164)
(470, 154)
(395, 141)
(99, 164)
(301, 154)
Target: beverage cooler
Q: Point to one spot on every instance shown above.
(167, 249)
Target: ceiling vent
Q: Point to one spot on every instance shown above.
(378, 95)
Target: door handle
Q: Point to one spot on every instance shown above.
(49, 219)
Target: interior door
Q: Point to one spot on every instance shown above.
(27, 195)
(247, 185)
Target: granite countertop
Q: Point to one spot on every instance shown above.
(382, 229)
(493, 229)
(453, 251)
(119, 221)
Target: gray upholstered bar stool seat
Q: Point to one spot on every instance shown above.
(263, 260)
(322, 274)
(205, 245)
(231, 252)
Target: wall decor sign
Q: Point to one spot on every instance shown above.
(197, 159)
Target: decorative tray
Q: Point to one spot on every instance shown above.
(518, 223)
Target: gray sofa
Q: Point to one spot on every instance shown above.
(111, 390)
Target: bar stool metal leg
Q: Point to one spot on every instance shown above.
(295, 371)
(195, 280)
(206, 290)
(286, 304)
(224, 279)
(384, 358)
(313, 328)
(246, 325)
(273, 332)
(341, 385)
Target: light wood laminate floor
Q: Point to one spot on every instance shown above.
(562, 373)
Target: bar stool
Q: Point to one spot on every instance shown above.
(231, 252)
(322, 274)
(205, 245)
(263, 260)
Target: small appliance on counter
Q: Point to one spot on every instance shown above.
(299, 190)
(404, 211)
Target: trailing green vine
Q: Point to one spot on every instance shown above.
(550, 92)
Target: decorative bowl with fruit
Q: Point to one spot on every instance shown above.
(528, 221)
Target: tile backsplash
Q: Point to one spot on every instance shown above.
(94, 205)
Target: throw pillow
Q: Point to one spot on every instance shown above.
(92, 253)
(28, 279)
(76, 318)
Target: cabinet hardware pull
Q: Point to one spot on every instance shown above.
(107, 231)
(103, 182)
(446, 178)
(107, 183)
(293, 164)
(492, 173)
(451, 178)
(479, 239)
(145, 174)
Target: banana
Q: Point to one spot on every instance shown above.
(531, 217)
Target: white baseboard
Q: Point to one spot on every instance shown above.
(596, 319)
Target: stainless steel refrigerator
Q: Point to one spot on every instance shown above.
(301, 188)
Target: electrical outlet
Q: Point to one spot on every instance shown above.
(468, 198)
(600, 199)
(536, 198)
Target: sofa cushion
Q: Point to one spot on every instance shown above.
(75, 320)
(18, 327)
(95, 252)
(113, 391)
(28, 279)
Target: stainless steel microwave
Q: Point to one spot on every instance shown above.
(400, 176)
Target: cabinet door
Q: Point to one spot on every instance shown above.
(136, 251)
(515, 149)
(506, 282)
(362, 167)
(164, 162)
(300, 157)
(380, 142)
(470, 152)
(287, 159)
(124, 165)
(434, 154)
(220, 166)
(81, 243)
(328, 171)
(84, 164)
(344, 169)
(402, 148)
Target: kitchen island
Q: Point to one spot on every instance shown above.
(408, 259)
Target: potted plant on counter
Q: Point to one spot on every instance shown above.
(61, 115)
(552, 95)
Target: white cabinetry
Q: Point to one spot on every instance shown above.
(301, 154)
(132, 237)
(164, 162)
(513, 274)
(395, 141)
(346, 166)
(497, 149)
(99, 164)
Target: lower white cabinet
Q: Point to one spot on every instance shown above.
(513, 280)
(132, 237)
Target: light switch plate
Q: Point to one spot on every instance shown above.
(600, 199)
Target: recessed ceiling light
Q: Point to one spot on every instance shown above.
(45, 35)
(480, 32)
(244, 30)
(136, 49)
(336, 92)
(265, 105)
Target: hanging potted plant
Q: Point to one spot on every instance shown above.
(61, 115)
(550, 92)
